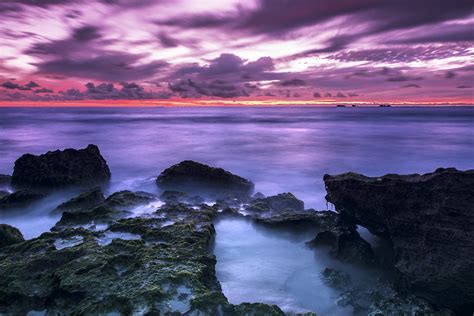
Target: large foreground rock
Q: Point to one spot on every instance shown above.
(70, 167)
(19, 198)
(199, 179)
(430, 221)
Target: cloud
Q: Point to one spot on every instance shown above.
(12, 85)
(167, 41)
(411, 85)
(316, 94)
(295, 82)
(464, 87)
(43, 90)
(86, 33)
(112, 66)
(340, 95)
(215, 88)
(404, 78)
(327, 95)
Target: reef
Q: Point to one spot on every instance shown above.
(59, 169)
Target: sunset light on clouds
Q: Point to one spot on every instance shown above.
(245, 52)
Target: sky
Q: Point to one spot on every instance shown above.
(236, 52)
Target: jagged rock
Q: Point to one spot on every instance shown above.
(19, 199)
(180, 197)
(277, 203)
(5, 179)
(428, 218)
(343, 239)
(115, 206)
(199, 179)
(57, 169)
(4, 193)
(9, 235)
(124, 199)
(83, 201)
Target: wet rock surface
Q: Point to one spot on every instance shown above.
(429, 220)
(58, 169)
(83, 201)
(159, 264)
(19, 198)
(199, 179)
(9, 235)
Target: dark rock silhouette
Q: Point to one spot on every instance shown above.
(200, 179)
(19, 199)
(9, 235)
(5, 179)
(57, 169)
(83, 201)
(429, 219)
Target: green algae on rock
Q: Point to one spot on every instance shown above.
(159, 264)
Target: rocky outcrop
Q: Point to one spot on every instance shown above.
(57, 169)
(83, 201)
(428, 218)
(9, 235)
(199, 179)
(19, 198)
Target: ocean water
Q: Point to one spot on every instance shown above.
(284, 149)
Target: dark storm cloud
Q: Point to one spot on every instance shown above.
(295, 82)
(215, 88)
(317, 95)
(43, 90)
(198, 21)
(86, 33)
(411, 85)
(404, 78)
(228, 67)
(112, 66)
(13, 85)
(464, 87)
(108, 91)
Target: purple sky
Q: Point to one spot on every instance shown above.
(338, 50)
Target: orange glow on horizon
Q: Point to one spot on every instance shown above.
(220, 102)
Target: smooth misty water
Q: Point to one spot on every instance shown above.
(279, 149)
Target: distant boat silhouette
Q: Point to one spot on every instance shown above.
(385, 106)
(340, 106)
(354, 105)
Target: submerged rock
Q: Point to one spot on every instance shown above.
(57, 169)
(9, 235)
(124, 199)
(199, 179)
(19, 199)
(428, 218)
(83, 201)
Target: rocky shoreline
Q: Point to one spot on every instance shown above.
(135, 253)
